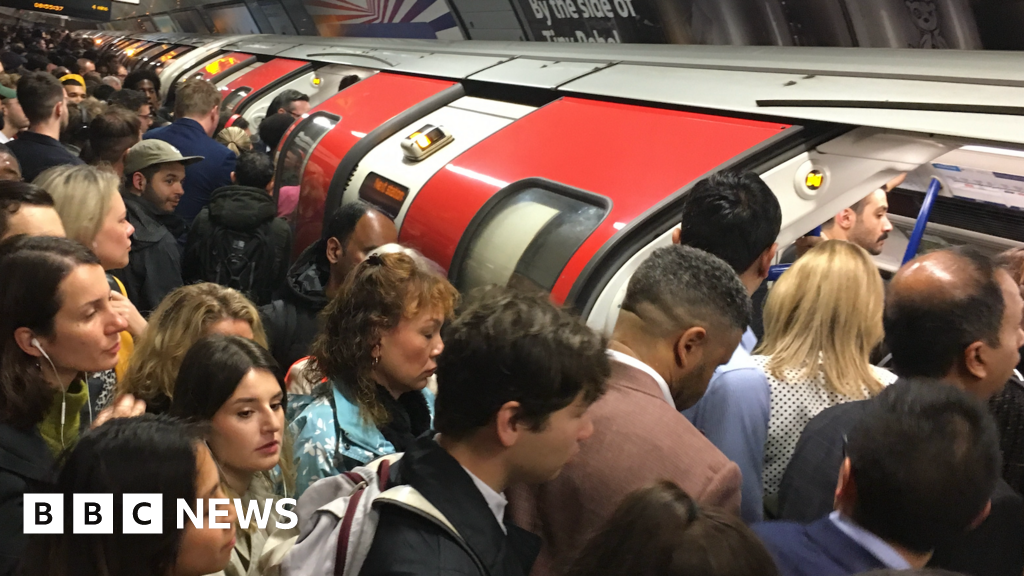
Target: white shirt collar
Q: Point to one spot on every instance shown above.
(495, 501)
(630, 361)
(878, 548)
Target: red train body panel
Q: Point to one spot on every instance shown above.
(635, 156)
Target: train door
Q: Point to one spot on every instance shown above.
(144, 56)
(221, 69)
(812, 185)
(167, 58)
(188, 61)
(320, 152)
(316, 81)
(257, 82)
(390, 177)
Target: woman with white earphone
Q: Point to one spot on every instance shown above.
(89, 203)
(56, 324)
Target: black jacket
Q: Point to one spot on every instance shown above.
(291, 321)
(242, 209)
(995, 548)
(407, 543)
(25, 467)
(154, 265)
(1007, 408)
(37, 152)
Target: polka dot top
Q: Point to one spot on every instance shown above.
(796, 399)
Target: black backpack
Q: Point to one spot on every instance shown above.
(243, 260)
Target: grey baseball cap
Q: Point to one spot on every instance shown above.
(150, 152)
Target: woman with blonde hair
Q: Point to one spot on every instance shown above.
(822, 319)
(185, 315)
(376, 352)
(88, 201)
(236, 139)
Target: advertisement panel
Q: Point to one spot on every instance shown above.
(600, 21)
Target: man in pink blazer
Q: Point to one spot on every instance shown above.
(683, 315)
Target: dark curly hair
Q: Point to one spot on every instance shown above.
(374, 298)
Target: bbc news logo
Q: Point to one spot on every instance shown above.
(143, 513)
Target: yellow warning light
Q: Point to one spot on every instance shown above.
(424, 142)
(317, 81)
(814, 179)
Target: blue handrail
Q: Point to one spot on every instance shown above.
(775, 271)
(922, 220)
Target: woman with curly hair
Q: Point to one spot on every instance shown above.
(376, 351)
(185, 315)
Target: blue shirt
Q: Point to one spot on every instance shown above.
(203, 177)
(733, 415)
(873, 544)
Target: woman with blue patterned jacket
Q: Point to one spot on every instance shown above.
(376, 351)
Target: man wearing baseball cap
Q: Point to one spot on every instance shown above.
(14, 117)
(154, 171)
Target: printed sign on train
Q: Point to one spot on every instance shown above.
(385, 194)
(595, 21)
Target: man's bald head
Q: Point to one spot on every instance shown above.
(938, 305)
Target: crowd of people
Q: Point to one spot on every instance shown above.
(157, 337)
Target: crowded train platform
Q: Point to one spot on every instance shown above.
(268, 314)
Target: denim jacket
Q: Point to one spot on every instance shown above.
(317, 425)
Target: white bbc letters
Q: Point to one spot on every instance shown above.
(93, 514)
(142, 514)
(43, 514)
(219, 509)
(184, 508)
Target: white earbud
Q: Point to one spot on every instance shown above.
(64, 392)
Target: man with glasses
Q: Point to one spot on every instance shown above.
(289, 102)
(136, 102)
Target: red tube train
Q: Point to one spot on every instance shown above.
(560, 167)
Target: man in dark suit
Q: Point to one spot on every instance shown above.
(954, 316)
(42, 98)
(920, 466)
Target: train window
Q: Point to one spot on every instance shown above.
(292, 161)
(143, 56)
(180, 50)
(232, 100)
(526, 235)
